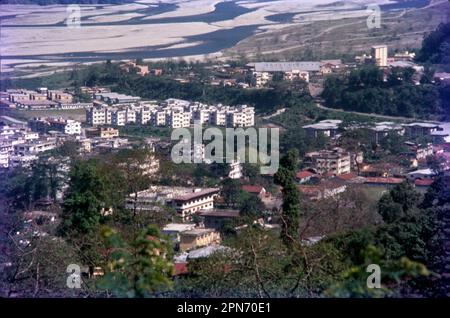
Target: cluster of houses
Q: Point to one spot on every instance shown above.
(379, 130)
(41, 98)
(380, 57)
(21, 143)
(328, 171)
(173, 113)
(141, 70)
(190, 240)
(202, 218)
(262, 72)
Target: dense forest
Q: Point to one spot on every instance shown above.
(436, 46)
(366, 90)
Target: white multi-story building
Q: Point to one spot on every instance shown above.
(261, 78)
(235, 119)
(235, 170)
(297, 75)
(143, 116)
(6, 131)
(201, 116)
(131, 115)
(179, 119)
(67, 126)
(219, 117)
(72, 127)
(4, 159)
(335, 161)
(34, 147)
(242, 116)
(186, 201)
(44, 125)
(158, 118)
(119, 117)
(30, 135)
(6, 146)
(172, 113)
(98, 116)
(199, 199)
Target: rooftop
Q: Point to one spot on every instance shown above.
(426, 171)
(219, 213)
(336, 153)
(319, 188)
(384, 180)
(178, 227)
(386, 126)
(196, 193)
(423, 183)
(36, 102)
(347, 176)
(304, 174)
(198, 232)
(252, 188)
(325, 124)
(206, 251)
(286, 66)
(423, 125)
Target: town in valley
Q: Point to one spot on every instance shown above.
(93, 202)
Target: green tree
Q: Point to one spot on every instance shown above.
(85, 200)
(251, 207)
(231, 192)
(354, 280)
(438, 194)
(137, 268)
(406, 195)
(389, 210)
(285, 177)
(400, 202)
(434, 46)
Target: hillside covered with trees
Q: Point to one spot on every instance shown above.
(436, 46)
(365, 90)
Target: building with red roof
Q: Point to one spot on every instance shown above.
(424, 183)
(304, 176)
(350, 178)
(326, 189)
(180, 269)
(257, 190)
